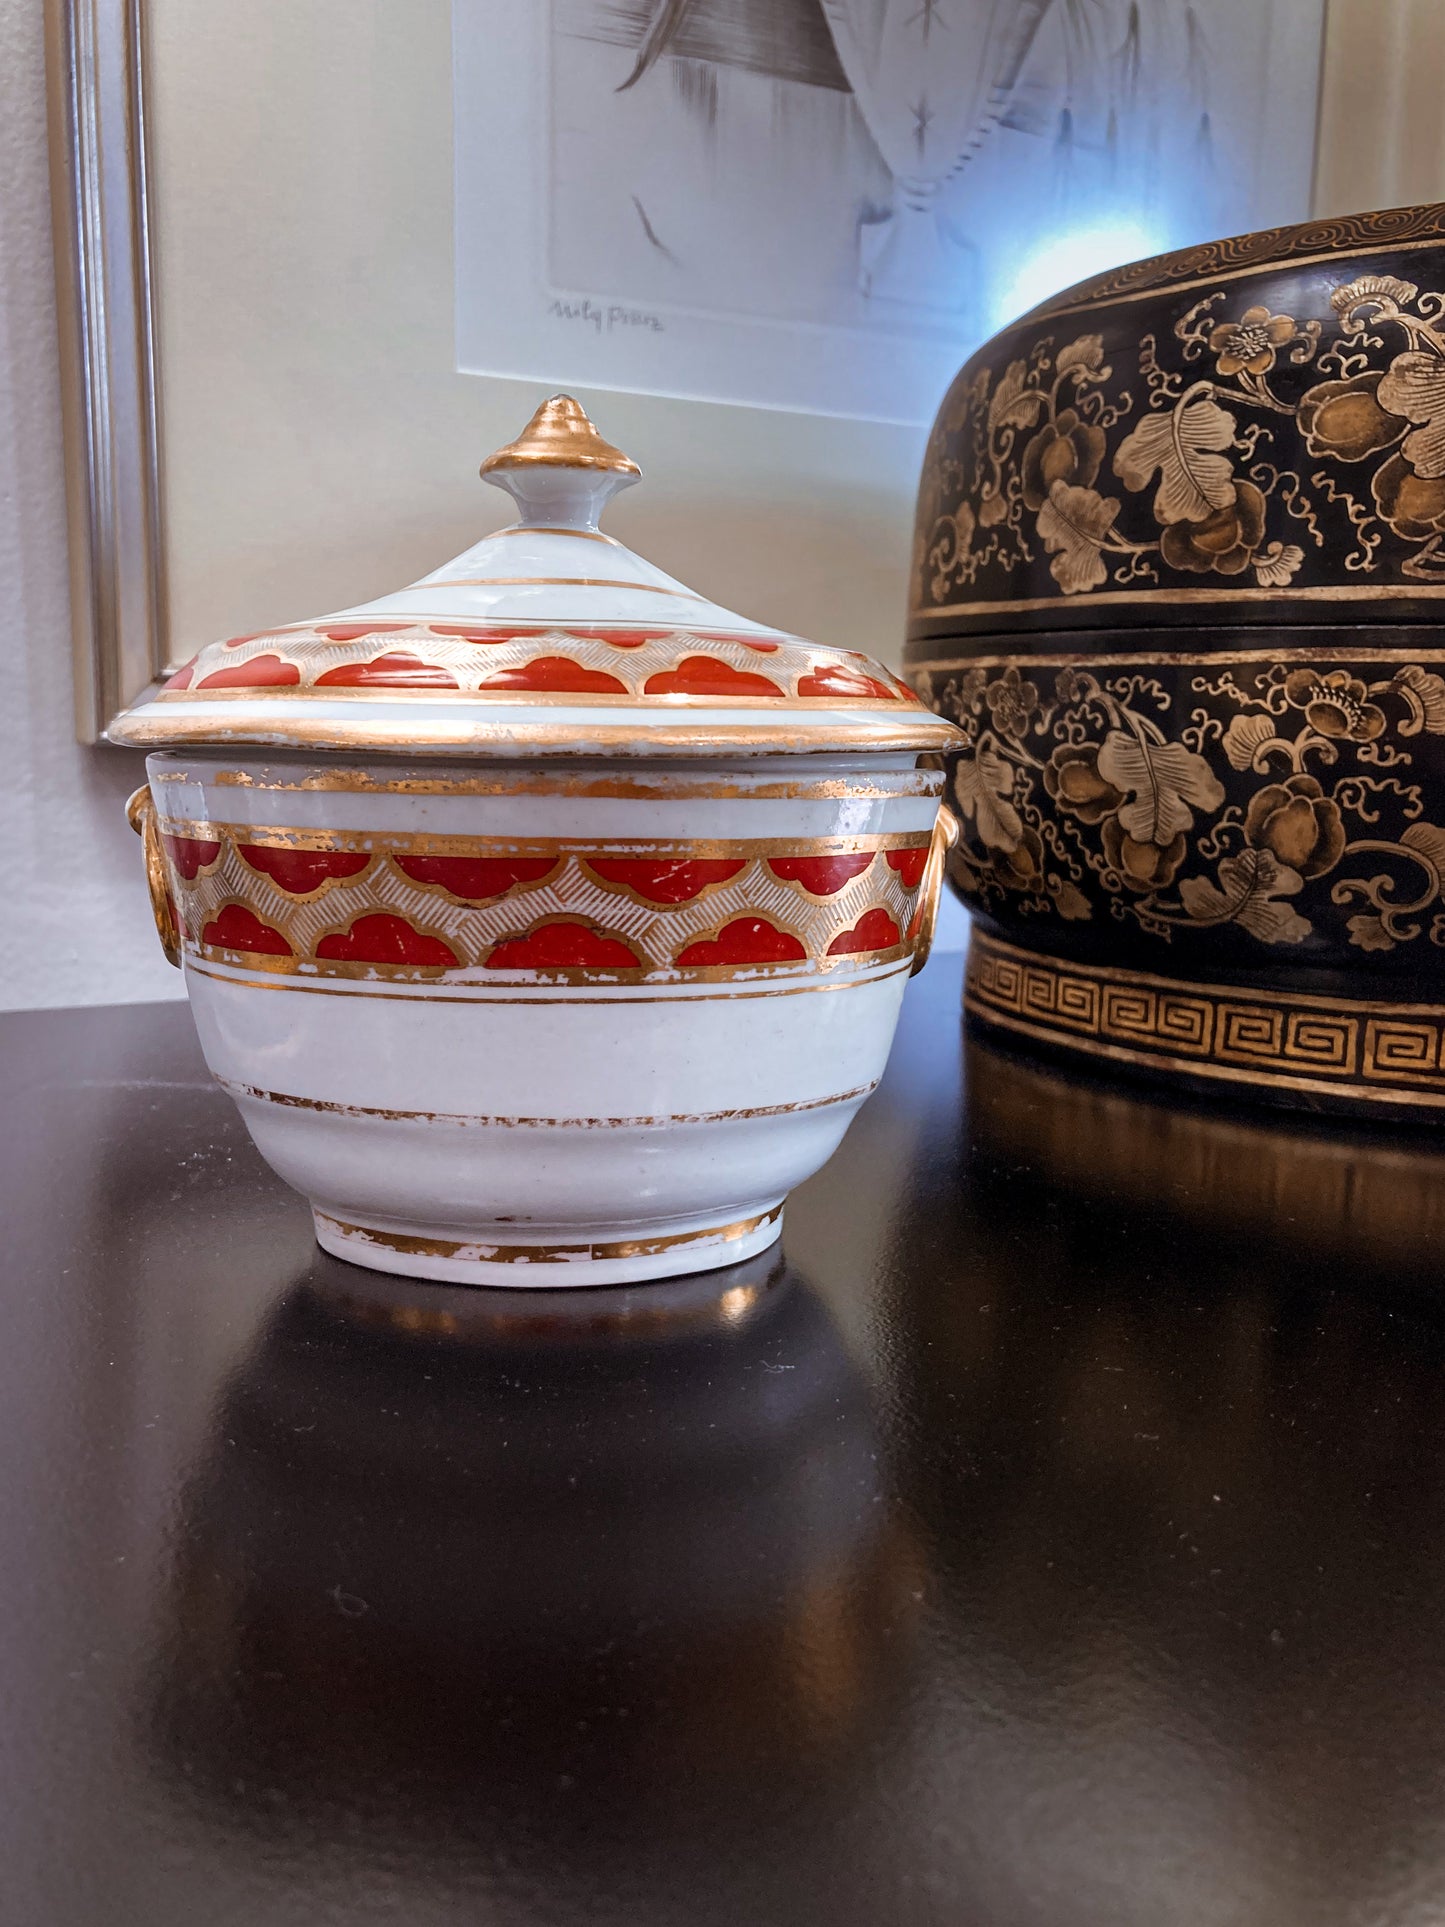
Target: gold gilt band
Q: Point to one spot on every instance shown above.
(387, 907)
(1382, 1054)
(540, 1254)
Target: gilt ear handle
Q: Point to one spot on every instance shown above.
(945, 835)
(141, 815)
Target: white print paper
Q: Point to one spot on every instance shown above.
(825, 205)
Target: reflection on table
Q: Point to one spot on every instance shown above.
(502, 1571)
(1054, 1538)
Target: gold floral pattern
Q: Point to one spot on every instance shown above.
(1249, 345)
(1335, 704)
(1255, 803)
(1257, 449)
(1298, 824)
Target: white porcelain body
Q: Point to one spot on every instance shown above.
(496, 1120)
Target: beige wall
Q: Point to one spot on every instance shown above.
(320, 445)
(1382, 128)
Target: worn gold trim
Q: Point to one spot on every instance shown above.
(1387, 1054)
(684, 990)
(543, 528)
(310, 968)
(749, 849)
(537, 1254)
(278, 693)
(1222, 600)
(1150, 654)
(573, 628)
(670, 787)
(551, 582)
(647, 737)
(650, 1123)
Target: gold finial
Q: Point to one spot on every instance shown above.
(560, 435)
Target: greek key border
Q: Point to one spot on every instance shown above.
(1388, 1054)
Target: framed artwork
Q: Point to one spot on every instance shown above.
(825, 204)
(315, 262)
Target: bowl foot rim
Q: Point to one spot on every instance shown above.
(546, 1257)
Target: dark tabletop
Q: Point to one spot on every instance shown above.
(1056, 1535)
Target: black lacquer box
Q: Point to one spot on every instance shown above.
(1179, 573)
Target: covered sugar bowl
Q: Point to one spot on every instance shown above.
(547, 922)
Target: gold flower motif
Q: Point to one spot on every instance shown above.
(1067, 450)
(1143, 866)
(1335, 704)
(1252, 342)
(1011, 701)
(1298, 824)
(1023, 866)
(1072, 779)
(1346, 419)
(1278, 565)
(1224, 541)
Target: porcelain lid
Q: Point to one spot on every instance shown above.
(548, 638)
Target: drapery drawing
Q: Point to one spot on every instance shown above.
(745, 198)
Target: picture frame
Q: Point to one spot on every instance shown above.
(96, 67)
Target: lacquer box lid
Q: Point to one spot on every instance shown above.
(547, 638)
(1250, 432)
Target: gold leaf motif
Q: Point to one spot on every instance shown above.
(1425, 693)
(1243, 738)
(1252, 883)
(1008, 430)
(982, 784)
(1414, 386)
(1072, 903)
(1074, 524)
(1373, 287)
(1369, 933)
(1084, 818)
(1015, 404)
(1164, 779)
(1430, 843)
(1194, 479)
(1083, 359)
(1279, 564)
